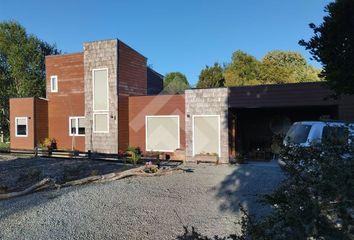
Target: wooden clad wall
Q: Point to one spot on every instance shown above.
(68, 101)
(290, 95)
(22, 107)
(41, 120)
(141, 106)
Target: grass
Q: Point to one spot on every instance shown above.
(4, 146)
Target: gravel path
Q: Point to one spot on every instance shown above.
(142, 208)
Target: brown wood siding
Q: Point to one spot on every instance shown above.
(141, 106)
(22, 107)
(69, 101)
(123, 122)
(132, 80)
(290, 95)
(132, 72)
(41, 120)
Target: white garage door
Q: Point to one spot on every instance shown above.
(162, 133)
(206, 134)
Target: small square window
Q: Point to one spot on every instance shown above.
(21, 127)
(77, 126)
(54, 83)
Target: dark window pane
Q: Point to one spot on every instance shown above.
(81, 130)
(21, 130)
(298, 133)
(335, 134)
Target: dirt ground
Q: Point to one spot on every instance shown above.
(17, 173)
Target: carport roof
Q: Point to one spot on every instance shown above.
(281, 95)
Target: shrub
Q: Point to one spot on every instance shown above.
(134, 153)
(5, 147)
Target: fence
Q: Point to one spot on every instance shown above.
(55, 153)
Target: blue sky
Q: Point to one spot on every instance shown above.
(179, 35)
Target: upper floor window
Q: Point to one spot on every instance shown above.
(21, 127)
(54, 83)
(76, 126)
(100, 89)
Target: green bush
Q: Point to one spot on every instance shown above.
(4, 146)
(134, 154)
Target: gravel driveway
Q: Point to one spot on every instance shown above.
(142, 208)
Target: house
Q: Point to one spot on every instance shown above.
(106, 98)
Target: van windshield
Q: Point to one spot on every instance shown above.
(298, 133)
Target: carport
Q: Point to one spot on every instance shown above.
(261, 115)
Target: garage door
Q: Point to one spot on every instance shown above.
(206, 134)
(162, 133)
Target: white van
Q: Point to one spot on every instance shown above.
(306, 133)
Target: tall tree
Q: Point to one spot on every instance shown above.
(211, 77)
(175, 82)
(243, 70)
(333, 45)
(22, 69)
(286, 67)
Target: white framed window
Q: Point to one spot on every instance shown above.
(77, 126)
(206, 134)
(162, 133)
(100, 89)
(21, 128)
(100, 123)
(54, 83)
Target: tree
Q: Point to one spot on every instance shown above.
(175, 82)
(244, 69)
(22, 69)
(211, 77)
(333, 46)
(286, 67)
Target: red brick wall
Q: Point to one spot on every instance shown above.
(22, 107)
(140, 106)
(68, 101)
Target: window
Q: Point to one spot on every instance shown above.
(298, 133)
(21, 127)
(100, 122)
(206, 134)
(162, 133)
(100, 90)
(77, 126)
(54, 83)
(335, 134)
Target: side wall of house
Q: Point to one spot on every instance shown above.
(101, 54)
(69, 101)
(132, 80)
(41, 120)
(142, 106)
(22, 107)
(213, 101)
